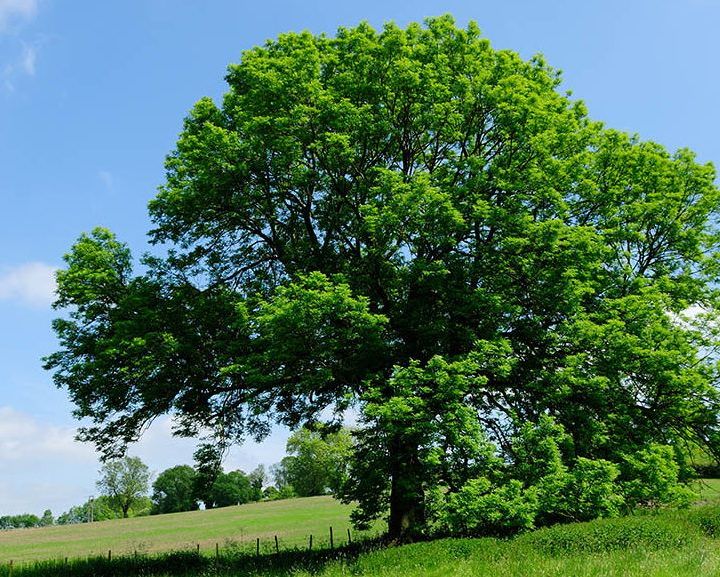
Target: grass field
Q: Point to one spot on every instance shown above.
(709, 489)
(667, 544)
(491, 558)
(292, 520)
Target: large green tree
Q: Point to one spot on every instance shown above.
(416, 225)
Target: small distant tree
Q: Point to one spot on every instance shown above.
(47, 519)
(257, 478)
(174, 490)
(281, 476)
(124, 481)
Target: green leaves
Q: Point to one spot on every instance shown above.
(411, 223)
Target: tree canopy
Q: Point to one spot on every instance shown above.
(416, 225)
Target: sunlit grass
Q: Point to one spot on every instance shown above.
(292, 520)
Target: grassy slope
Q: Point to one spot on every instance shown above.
(685, 552)
(490, 558)
(671, 544)
(293, 520)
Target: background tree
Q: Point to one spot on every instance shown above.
(124, 482)
(23, 521)
(316, 464)
(174, 490)
(100, 508)
(47, 518)
(232, 488)
(257, 478)
(208, 466)
(413, 223)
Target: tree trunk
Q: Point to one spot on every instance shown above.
(407, 502)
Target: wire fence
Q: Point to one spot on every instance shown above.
(266, 552)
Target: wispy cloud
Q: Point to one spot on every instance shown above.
(27, 59)
(23, 61)
(24, 64)
(11, 10)
(106, 178)
(31, 284)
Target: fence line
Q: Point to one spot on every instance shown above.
(270, 546)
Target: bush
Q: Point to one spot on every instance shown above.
(478, 508)
(588, 491)
(653, 479)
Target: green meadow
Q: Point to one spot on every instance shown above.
(292, 520)
(665, 544)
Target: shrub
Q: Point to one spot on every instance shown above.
(480, 508)
(707, 519)
(588, 491)
(653, 479)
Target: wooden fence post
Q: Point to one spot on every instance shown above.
(349, 538)
(198, 548)
(10, 572)
(332, 544)
(277, 545)
(109, 554)
(257, 547)
(310, 548)
(217, 551)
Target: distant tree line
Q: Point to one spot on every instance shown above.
(317, 463)
(26, 521)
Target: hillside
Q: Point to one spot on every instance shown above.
(668, 544)
(292, 520)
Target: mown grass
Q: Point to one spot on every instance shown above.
(231, 528)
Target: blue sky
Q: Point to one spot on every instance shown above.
(92, 97)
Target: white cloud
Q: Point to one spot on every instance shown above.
(14, 9)
(32, 284)
(42, 466)
(24, 439)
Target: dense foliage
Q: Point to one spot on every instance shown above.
(413, 224)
